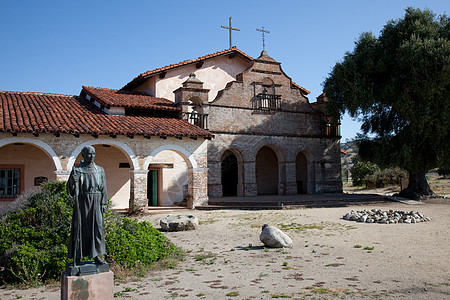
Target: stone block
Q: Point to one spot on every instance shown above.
(89, 287)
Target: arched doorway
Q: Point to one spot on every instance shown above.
(266, 172)
(23, 166)
(117, 170)
(301, 170)
(229, 169)
(168, 179)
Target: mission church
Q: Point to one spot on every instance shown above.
(224, 124)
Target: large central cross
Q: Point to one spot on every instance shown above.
(263, 37)
(230, 28)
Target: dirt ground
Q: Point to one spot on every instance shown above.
(330, 259)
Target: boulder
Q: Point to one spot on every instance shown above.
(179, 222)
(274, 238)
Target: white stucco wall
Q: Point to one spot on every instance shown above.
(36, 162)
(215, 74)
(174, 180)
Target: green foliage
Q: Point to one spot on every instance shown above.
(130, 242)
(387, 176)
(399, 85)
(34, 239)
(361, 170)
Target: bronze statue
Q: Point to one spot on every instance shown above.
(87, 186)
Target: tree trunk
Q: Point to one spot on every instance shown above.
(417, 187)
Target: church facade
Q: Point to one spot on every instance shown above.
(268, 138)
(223, 124)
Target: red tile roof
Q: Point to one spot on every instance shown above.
(54, 113)
(300, 87)
(127, 99)
(139, 79)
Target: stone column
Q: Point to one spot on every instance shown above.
(138, 188)
(250, 179)
(198, 187)
(291, 178)
(62, 175)
(214, 179)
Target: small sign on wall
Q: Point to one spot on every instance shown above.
(40, 180)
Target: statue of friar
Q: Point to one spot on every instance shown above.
(87, 186)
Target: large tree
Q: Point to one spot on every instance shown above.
(398, 84)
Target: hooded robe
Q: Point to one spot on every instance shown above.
(87, 185)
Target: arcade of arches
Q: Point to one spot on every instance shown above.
(269, 171)
(176, 170)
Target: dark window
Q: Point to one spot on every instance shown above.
(9, 182)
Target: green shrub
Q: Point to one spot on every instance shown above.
(34, 239)
(131, 242)
(387, 176)
(361, 170)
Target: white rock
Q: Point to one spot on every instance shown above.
(274, 238)
(179, 222)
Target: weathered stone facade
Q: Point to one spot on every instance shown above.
(268, 138)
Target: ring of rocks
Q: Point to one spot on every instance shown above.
(385, 217)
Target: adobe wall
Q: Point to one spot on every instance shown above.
(215, 73)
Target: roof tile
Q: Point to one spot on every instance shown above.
(128, 99)
(54, 113)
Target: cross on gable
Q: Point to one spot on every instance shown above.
(263, 37)
(230, 28)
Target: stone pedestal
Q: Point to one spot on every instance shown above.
(90, 287)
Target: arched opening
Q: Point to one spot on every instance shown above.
(301, 170)
(229, 170)
(117, 170)
(168, 179)
(266, 172)
(23, 166)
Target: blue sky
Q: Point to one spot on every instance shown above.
(58, 46)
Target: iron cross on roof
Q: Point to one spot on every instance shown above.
(230, 28)
(263, 37)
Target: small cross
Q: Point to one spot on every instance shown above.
(263, 37)
(230, 28)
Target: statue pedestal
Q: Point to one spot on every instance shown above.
(90, 287)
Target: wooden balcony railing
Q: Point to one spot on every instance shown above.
(267, 102)
(197, 119)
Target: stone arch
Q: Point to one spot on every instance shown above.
(171, 182)
(42, 145)
(303, 171)
(196, 100)
(117, 159)
(281, 152)
(267, 170)
(121, 146)
(25, 163)
(187, 156)
(232, 172)
(280, 149)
